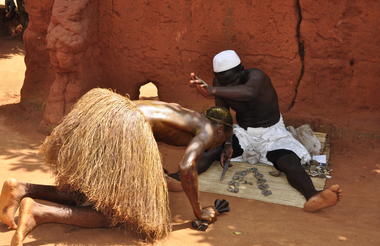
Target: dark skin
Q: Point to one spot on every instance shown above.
(249, 93)
(170, 123)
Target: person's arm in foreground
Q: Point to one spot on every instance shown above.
(182, 127)
(189, 175)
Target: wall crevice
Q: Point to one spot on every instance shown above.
(301, 53)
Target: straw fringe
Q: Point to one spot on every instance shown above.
(105, 149)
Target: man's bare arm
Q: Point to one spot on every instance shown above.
(189, 175)
(218, 100)
(244, 92)
(241, 93)
(163, 116)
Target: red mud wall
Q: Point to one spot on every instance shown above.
(318, 53)
(39, 73)
(163, 41)
(61, 57)
(342, 56)
(71, 41)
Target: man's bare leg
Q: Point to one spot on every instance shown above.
(11, 195)
(324, 199)
(13, 191)
(34, 212)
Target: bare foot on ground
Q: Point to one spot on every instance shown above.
(10, 197)
(324, 199)
(173, 184)
(28, 220)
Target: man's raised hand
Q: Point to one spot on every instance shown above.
(201, 85)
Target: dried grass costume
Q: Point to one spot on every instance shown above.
(105, 149)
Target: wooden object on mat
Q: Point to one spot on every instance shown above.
(282, 192)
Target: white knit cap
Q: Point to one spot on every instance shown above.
(225, 60)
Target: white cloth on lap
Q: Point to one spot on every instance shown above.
(256, 142)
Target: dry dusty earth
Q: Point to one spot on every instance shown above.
(355, 159)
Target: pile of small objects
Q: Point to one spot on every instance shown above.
(316, 169)
(239, 178)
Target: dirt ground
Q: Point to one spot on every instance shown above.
(354, 157)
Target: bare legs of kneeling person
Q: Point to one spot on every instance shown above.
(61, 208)
(33, 213)
(289, 163)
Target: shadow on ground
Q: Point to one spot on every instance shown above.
(17, 147)
(10, 46)
(70, 236)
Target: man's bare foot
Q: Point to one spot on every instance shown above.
(10, 197)
(324, 199)
(28, 220)
(173, 184)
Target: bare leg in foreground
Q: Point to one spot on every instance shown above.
(33, 213)
(10, 197)
(324, 199)
(13, 191)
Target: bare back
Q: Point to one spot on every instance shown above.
(173, 124)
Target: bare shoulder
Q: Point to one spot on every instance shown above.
(255, 73)
(158, 111)
(159, 105)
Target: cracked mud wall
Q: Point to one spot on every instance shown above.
(39, 73)
(163, 41)
(319, 54)
(342, 56)
(61, 55)
(71, 41)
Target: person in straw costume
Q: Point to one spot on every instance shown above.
(108, 168)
